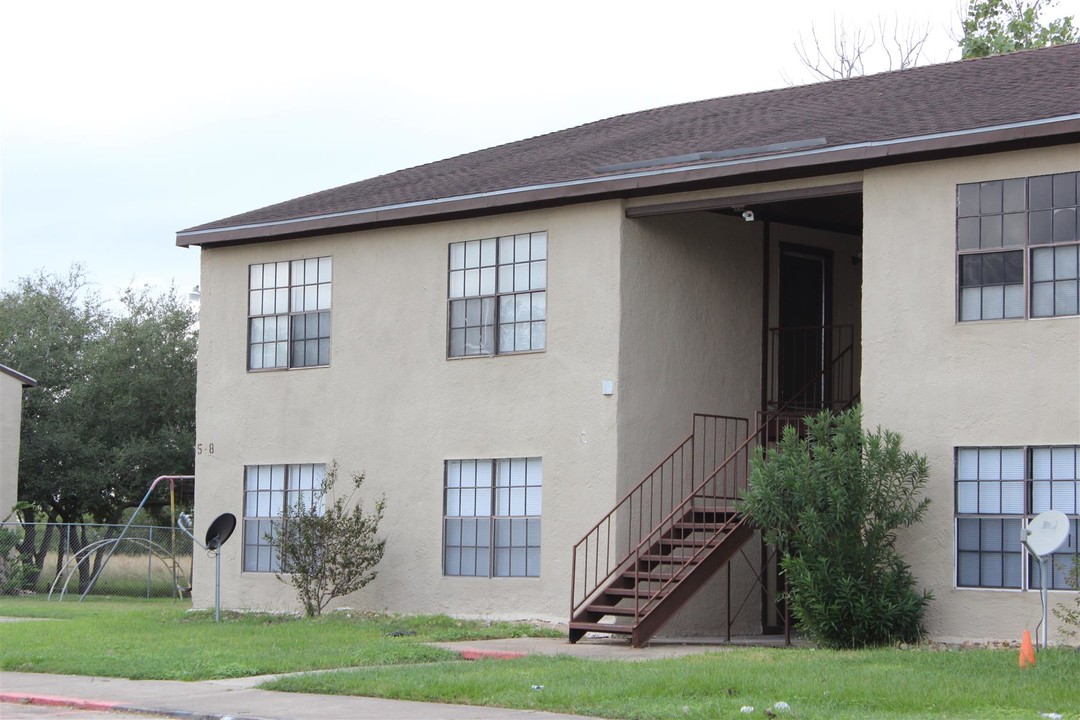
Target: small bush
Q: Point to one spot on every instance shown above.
(831, 503)
(1069, 615)
(328, 550)
(13, 569)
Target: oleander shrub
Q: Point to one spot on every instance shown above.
(831, 502)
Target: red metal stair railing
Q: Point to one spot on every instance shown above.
(603, 551)
(667, 552)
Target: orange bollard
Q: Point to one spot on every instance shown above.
(1027, 652)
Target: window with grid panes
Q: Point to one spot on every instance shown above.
(998, 490)
(1009, 230)
(491, 525)
(289, 314)
(496, 290)
(267, 490)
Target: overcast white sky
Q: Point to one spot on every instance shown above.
(123, 122)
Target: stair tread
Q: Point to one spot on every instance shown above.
(610, 609)
(670, 559)
(686, 542)
(629, 592)
(601, 627)
(658, 577)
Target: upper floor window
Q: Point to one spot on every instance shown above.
(289, 314)
(497, 295)
(1009, 230)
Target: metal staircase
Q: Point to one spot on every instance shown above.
(676, 528)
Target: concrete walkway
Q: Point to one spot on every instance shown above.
(239, 699)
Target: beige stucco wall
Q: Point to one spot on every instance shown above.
(391, 404)
(691, 339)
(10, 424)
(944, 384)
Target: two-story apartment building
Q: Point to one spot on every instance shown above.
(507, 342)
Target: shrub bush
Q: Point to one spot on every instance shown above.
(1065, 612)
(329, 549)
(832, 502)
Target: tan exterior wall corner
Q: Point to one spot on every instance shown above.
(946, 384)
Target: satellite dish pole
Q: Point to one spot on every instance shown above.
(216, 535)
(1042, 536)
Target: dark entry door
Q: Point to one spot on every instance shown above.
(805, 280)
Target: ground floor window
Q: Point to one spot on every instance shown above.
(998, 490)
(491, 520)
(267, 490)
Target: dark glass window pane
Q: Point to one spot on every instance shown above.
(990, 197)
(990, 233)
(1015, 195)
(1064, 190)
(990, 566)
(1010, 534)
(967, 534)
(970, 270)
(990, 535)
(457, 313)
(993, 268)
(1014, 229)
(1014, 267)
(1065, 225)
(1040, 227)
(967, 233)
(1041, 192)
(967, 200)
(472, 312)
(967, 569)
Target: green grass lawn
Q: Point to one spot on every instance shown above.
(161, 639)
(888, 683)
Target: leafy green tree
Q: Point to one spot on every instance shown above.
(832, 502)
(327, 551)
(48, 324)
(115, 401)
(138, 409)
(995, 27)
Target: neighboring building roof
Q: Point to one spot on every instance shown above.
(1024, 99)
(26, 380)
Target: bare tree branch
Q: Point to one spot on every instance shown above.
(885, 45)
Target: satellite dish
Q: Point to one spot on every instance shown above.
(1046, 532)
(220, 530)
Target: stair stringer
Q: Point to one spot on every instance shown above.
(679, 592)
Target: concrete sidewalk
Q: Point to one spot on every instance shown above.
(239, 699)
(232, 699)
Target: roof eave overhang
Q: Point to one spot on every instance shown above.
(825, 161)
(26, 380)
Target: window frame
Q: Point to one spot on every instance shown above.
(982, 227)
(297, 293)
(495, 529)
(294, 483)
(503, 264)
(1034, 489)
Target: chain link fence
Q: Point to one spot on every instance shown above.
(66, 560)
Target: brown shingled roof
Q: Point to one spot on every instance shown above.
(708, 142)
